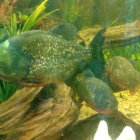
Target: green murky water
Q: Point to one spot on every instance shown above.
(77, 22)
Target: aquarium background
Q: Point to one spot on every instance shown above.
(17, 16)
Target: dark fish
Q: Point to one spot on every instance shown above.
(95, 92)
(37, 58)
(66, 30)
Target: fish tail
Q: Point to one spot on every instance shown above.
(98, 63)
(98, 40)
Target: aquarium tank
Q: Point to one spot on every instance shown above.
(69, 70)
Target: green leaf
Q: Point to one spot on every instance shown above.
(14, 24)
(11, 29)
(30, 21)
(1, 95)
(43, 16)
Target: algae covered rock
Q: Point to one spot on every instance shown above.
(122, 72)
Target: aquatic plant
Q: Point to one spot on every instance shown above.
(11, 28)
(36, 16)
(6, 90)
(6, 8)
(29, 21)
(71, 10)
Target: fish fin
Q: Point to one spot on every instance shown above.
(98, 63)
(98, 40)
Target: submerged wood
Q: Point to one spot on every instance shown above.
(115, 36)
(46, 121)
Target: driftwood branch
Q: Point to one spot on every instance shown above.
(46, 121)
(116, 36)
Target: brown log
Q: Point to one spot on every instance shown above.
(115, 36)
(19, 120)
